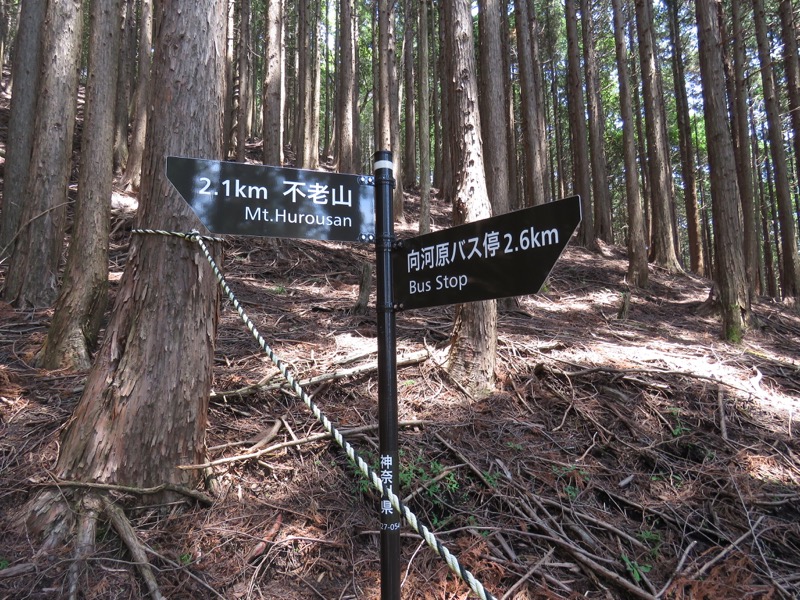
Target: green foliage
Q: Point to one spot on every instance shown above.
(363, 484)
(679, 428)
(572, 479)
(636, 570)
(651, 538)
(4, 563)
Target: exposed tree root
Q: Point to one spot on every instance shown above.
(128, 535)
(91, 507)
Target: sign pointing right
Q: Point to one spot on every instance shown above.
(507, 255)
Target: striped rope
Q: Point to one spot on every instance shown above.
(186, 236)
(451, 560)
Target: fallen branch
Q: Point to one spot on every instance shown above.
(527, 575)
(175, 565)
(695, 573)
(298, 442)
(16, 570)
(164, 487)
(262, 386)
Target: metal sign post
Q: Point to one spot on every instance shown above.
(387, 374)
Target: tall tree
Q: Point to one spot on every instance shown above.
(730, 273)
(394, 117)
(25, 71)
(32, 279)
(125, 83)
(347, 99)
(424, 129)
(534, 157)
(790, 272)
(791, 60)
(494, 105)
(243, 108)
(306, 117)
(155, 363)
(597, 148)
(409, 116)
(744, 170)
(473, 346)
(693, 229)
(577, 127)
(272, 120)
(637, 247)
(133, 167)
(230, 75)
(661, 193)
(83, 295)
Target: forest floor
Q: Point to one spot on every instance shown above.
(622, 456)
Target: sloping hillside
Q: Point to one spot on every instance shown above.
(626, 454)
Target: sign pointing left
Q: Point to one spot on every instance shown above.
(244, 199)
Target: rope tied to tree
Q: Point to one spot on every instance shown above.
(370, 473)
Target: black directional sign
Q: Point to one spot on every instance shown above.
(244, 199)
(507, 255)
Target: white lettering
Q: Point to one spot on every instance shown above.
(419, 287)
(283, 216)
(252, 215)
(445, 282)
(549, 237)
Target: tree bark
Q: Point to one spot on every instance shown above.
(730, 271)
(154, 367)
(25, 72)
(637, 248)
(473, 347)
(32, 279)
(83, 296)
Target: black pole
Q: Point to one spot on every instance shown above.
(387, 374)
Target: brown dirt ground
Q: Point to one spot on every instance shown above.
(598, 469)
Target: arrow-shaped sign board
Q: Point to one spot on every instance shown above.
(245, 199)
(507, 255)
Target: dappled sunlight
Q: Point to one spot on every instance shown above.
(770, 470)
